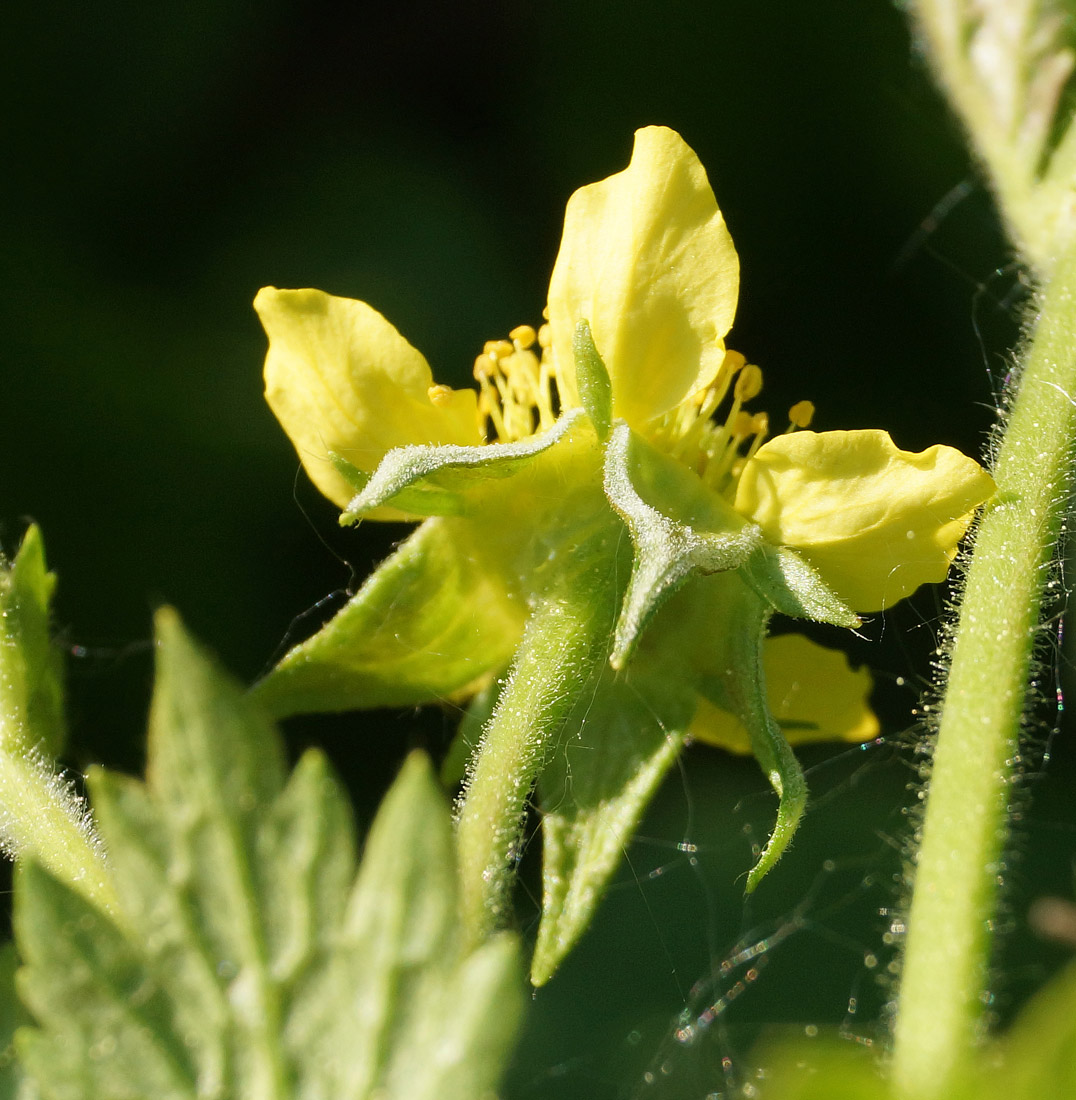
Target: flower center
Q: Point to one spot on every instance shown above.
(717, 447)
(517, 386)
(519, 396)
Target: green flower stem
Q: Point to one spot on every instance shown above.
(965, 826)
(564, 647)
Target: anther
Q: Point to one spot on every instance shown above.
(484, 367)
(743, 425)
(499, 349)
(441, 396)
(801, 414)
(545, 336)
(732, 362)
(523, 336)
(748, 384)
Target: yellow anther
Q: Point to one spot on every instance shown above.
(743, 425)
(523, 336)
(760, 423)
(749, 383)
(440, 395)
(497, 349)
(545, 336)
(801, 414)
(732, 362)
(484, 366)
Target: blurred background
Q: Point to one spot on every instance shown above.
(162, 162)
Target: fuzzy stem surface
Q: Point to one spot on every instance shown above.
(564, 647)
(965, 827)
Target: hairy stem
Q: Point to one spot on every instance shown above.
(966, 826)
(564, 646)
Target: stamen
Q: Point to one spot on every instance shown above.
(516, 386)
(800, 415)
(760, 426)
(489, 405)
(439, 395)
(523, 336)
(749, 384)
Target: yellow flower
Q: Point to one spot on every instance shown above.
(625, 411)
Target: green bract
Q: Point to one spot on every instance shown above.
(606, 535)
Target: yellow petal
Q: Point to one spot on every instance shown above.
(647, 260)
(875, 521)
(340, 378)
(813, 694)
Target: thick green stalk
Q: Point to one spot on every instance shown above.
(564, 646)
(965, 826)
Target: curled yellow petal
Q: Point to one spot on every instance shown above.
(813, 693)
(647, 260)
(339, 377)
(875, 521)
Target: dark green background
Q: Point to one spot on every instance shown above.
(163, 161)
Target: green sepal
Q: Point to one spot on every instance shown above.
(31, 667)
(592, 379)
(440, 480)
(622, 740)
(793, 587)
(694, 533)
(251, 961)
(430, 622)
(740, 687)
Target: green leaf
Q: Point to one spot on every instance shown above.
(693, 533)
(250, 963)
(14, 1084)
(593, 792)
(429, 624)
(428, 480)
(825, 1069)
(31, 667)
(1036, 1058)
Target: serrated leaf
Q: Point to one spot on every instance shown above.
(593, 793)
(14, 1084)
(31, 667)
(245, 967)
(429, 623)
(404, 985)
